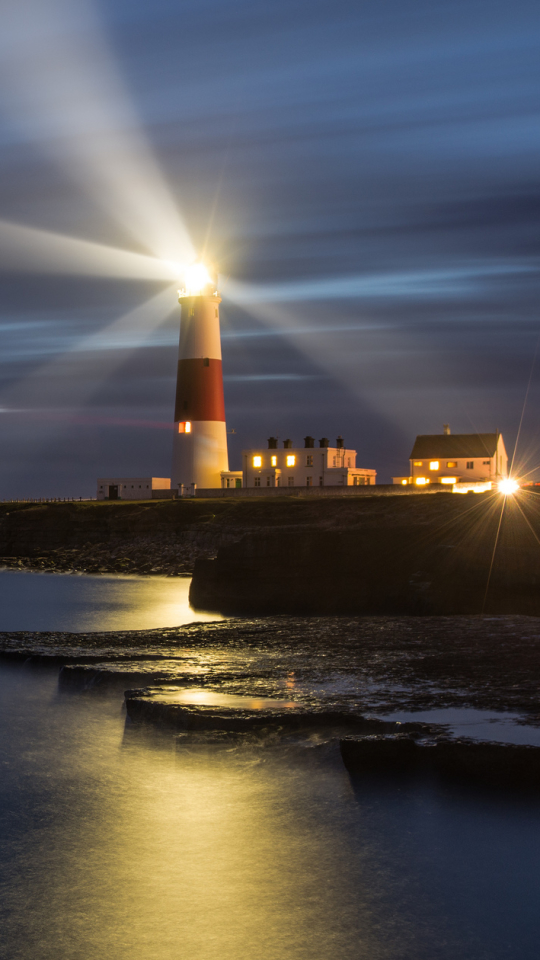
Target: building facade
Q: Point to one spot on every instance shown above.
(133, 488)
(449, 459)
(306, 466)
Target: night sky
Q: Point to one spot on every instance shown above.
(365, 176)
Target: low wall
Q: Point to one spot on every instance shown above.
(376, 490)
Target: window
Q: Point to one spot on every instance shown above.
(448, 479)
(421, 481)
(320, 481)
(257, 461)
(184, 427)
(434, 465)
(238, 483)
(348, 461)
(273, 461)
(291, 460)
(470, 464)
(228, 482)
(487, 463)
(451, 464)
(334, 459)
(206, 361)
(309, 481)
(291, 481)
(418, 463)
(309, 460)
(257, 482)
(268, 481)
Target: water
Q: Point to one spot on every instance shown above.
(45, 601)
(476, 724)
(115, 842)
(200, 697)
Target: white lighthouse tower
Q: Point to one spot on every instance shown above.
(200, 433)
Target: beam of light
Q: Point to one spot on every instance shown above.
(492, 561)
(330, 353)
(62, 91)
(41, 251)
(524, 404)
(414, 284)
(70, 380)
(508, 487)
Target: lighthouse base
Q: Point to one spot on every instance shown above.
(199, 456)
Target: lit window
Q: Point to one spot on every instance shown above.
(291, 460)
(257, 461)
(448, 479)
(404, 483)
(434, 465)
(273, 461)
(451, 464)
(184, 427)
(470, 464)
(418, 463)
(421, 481)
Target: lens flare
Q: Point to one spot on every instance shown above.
(196, 279)
(508, 487)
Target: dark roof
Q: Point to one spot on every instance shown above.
(454, 446)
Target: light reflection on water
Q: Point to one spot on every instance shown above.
(195, 696)
(43, 601)
(118, 844)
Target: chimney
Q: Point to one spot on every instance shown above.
(323, 442)
(287, 444)
(309, 443)
(272, 443)
(340, 443)
(446, 429)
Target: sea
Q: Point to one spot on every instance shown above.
(121, 842)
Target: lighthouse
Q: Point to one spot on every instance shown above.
(200, 433)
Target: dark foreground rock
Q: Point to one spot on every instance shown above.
(482, 556)
(500, 764)
(368, 664)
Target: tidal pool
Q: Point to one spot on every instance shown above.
(117, 842)
(477, 724)
(75, 603)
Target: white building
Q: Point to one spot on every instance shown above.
(471, 458)
(309, 466)
(134, 488)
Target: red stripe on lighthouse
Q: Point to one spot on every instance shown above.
(199, 390)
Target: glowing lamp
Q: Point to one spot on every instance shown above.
(197, 280)
(508, 487)
(404, 483)
(257, 461)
